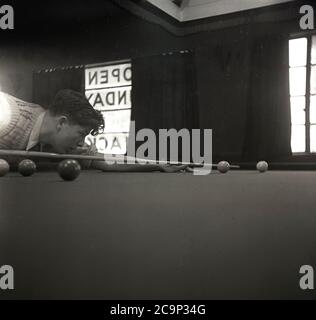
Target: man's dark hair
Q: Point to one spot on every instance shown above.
(76, 107)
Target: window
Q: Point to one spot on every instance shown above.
(108, 89)
(302, 57)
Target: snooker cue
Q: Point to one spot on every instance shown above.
(58, 156)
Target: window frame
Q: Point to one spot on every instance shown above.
(309, 35)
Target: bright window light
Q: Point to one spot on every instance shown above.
(313, 110)
(298, 70)
(313, 138)
(298, 115)
(313, 80)
(314, 50)
(298, 52)
(298, 138)
(298, 81)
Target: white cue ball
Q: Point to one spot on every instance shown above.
(223, 167)
(262, 166)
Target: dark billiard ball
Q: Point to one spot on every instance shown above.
(4, 167)
(69, 169)
(27, 167)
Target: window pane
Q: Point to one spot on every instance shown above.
(298, 138)
(298, 52)
(298, 115)
(313, 80)
(314, 50)
(313, 110)
(313, 138)
(298, 81)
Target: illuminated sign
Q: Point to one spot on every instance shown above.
(108, 89)
(109, 99)
(108, 76)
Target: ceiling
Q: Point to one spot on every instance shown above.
(188, 10)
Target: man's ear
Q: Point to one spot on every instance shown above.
(61, 122)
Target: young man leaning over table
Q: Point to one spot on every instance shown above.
(61, 128)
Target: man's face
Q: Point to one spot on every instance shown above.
(68, 136)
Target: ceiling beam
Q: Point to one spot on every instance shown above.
(191, 10)
(220, 7)
(283, 12)
(168, 7)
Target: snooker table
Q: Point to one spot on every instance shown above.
(240, 235)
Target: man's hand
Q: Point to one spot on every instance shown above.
(168, 168)
(86, 150)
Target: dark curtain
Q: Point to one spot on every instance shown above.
(46, 83)
(223, 75)
(268, 129)
(164, 94)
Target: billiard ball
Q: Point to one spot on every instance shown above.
(223, 167)
(4, 167)
(69, 169)
(27, 167)
(262, 166)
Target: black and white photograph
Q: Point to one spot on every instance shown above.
(157, 150)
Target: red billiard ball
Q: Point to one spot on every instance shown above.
(4, 167)
(27, 167)
(69, 169)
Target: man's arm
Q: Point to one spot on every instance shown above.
(102, 165)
